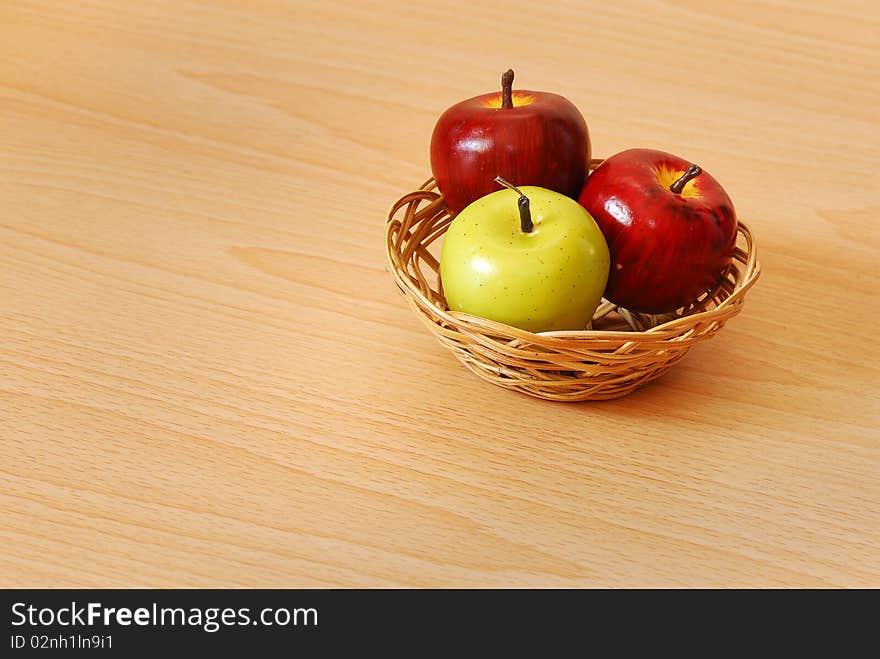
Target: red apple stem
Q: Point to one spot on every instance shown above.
(507, 89)
(525, 213)
(692, 172)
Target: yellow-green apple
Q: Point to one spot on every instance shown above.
(528, 257)
(670, 227)
(533, 138)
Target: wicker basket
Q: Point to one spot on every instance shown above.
(621, 352)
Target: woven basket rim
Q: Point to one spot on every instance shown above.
(480, 325)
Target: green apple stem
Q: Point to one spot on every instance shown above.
(525, 213)
(692, 172)
(507, 89)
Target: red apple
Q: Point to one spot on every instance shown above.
(670, 228)
(532, 138)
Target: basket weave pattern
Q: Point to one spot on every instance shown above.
(621, 351)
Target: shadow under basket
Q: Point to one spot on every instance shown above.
(620, 352)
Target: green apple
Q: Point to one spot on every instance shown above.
(528, 257)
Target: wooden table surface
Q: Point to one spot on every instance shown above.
(208, 378)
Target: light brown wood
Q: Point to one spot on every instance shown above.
(207, 377)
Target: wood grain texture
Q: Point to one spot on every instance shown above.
(207, 378)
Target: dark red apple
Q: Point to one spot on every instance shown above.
(530, 138)
(670, 228)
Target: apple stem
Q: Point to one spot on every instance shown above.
(507, 89)
(525, 213)
(692, 172)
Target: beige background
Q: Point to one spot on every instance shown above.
(207, 378)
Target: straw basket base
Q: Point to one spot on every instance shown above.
(620, 352)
